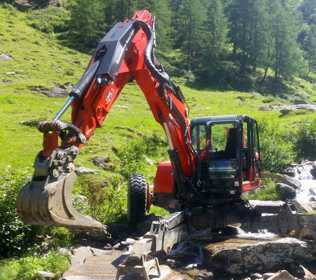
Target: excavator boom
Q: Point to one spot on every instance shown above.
(125, 53)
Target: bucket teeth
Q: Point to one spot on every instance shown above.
(49, 204)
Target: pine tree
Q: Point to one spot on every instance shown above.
(287, 55)
(123, 9)
(159, 9)
(310, 48)
(214, 47)
(191, 18)
(239, 12)
(86, 22)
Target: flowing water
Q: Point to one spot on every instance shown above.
(307, 192)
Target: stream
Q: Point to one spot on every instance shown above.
(307, 192)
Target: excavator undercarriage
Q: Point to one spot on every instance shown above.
(201, 185)
(280, 217)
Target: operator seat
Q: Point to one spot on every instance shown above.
(231, 144)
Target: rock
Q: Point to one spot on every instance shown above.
(59, 91)
(84, 170)
(32, 123)
(124, 107)
(4, 56)
(69, 84)
(47, 275)
(300, 101)
(301, 206)
(297, 107)
(234, 257)
(197, 274)
(148, 160)
(79, 254)
(313, 171)
(230, 230)
(285, 179)
(267, 275)
(312, 205)
(23, 5)
(77, 61)
(117, 246)
(289, 170)
(307, 274)
(270, 108)
(282, 275)
(285, 191)
(102, 162)
(312, 191)
(264, 108)
(186, 253)
(255, 276)
(107, 247)
(99, 235)
(7, 81)
(10, 73)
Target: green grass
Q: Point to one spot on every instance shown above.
(267, 191)
(40, 60)
(26, 268)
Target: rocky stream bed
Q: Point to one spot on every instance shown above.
(227, 254)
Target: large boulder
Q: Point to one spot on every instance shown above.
(285, 191)
(282, 178)
(289, 169)
(238, 257)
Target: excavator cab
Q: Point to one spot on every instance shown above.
(228, 150)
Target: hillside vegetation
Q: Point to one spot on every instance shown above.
(130, 139)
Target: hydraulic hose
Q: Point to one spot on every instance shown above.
(149, 56)
(162, 77)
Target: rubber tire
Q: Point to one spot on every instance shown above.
(136, 198)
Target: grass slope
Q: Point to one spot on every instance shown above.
(39, 60)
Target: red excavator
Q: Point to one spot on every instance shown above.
(212, 159)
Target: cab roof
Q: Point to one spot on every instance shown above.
(221, 119)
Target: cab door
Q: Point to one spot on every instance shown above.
(253, 154)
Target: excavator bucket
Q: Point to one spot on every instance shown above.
(49, 203)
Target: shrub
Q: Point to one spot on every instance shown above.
(106, 198)
(12, 231)
(275, 146)
(132, 155)
(305, 145)
(52, 19)
(17, 238)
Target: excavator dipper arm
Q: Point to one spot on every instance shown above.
(126, 52)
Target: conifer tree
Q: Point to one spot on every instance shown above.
(239, 12)
(310, 48)
(287, 55)
(161, 12)
(86, 22)
(191, 18)
(214, 46)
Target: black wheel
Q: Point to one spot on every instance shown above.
(136, 198)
